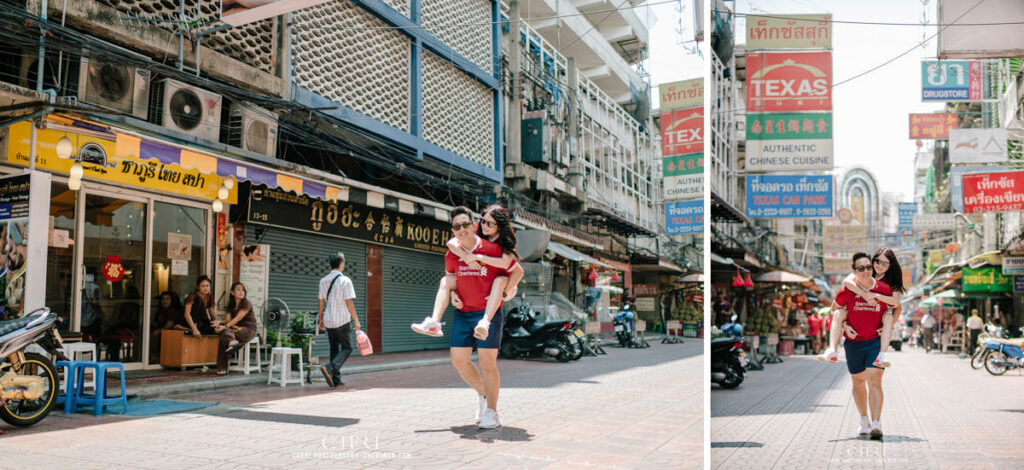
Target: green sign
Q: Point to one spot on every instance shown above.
(789, 126)
(986, 279)
(680, 165)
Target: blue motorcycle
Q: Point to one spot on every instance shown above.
(1002, 355)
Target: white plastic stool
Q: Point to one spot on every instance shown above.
(77, 352)
(284, 356)
(242, 362)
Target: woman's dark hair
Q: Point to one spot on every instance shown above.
(231, 302)
(175, 300)
(894, 275)
(506, 234)
(203, 278)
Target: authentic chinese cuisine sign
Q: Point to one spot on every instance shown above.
(789, 141)
(994, 192)
(932, 126)
(684, 176)
(789, 196)
(789, 32)
(789, 81)
(682, 131)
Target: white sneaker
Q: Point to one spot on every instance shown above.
(429, 327)
(489, 420)
(876, 431)
(865, 426)
(481, 408)
(480, 332)
(829, 356)
(882, 361)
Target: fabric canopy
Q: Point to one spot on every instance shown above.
(573, 255)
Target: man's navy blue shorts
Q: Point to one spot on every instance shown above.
(465, 322)
(861, 354)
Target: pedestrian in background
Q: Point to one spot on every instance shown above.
(975, 325)
(814, 331)
(927, 330)
(337, 315)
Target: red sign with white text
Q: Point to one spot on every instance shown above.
(682, 131)
(932, 125)
(789, 81)
(994, 192)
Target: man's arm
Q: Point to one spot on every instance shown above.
(850, 283)
(320, 316)
(352, 309)
(502, 263)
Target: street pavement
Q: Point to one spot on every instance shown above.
(629, 409)
(938, 414)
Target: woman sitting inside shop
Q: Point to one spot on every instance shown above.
(199, 308)
(169, 315)
(238, 329)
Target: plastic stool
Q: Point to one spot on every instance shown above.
(73, 351)
(242, 360)
(68, 385)
(99, 400)
(284, 355)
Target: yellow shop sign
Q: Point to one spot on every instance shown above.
(101, 162)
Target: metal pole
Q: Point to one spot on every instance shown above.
(34, 138)
(181, 37)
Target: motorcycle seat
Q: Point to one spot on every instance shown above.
(1019, 342)
(8, 326)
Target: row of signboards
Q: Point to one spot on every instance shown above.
(682, 155)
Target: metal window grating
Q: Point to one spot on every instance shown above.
(341, 52)
(464, 25)
(400, 6)
(252, 44)
(458, 111)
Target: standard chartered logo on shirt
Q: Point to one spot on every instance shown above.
(468, 271)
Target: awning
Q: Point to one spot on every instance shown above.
(695, 277)
(721, 260)
(992, 258)
(782, 276)
(617, 265)
(825, 287)
(573, 255)
(559, 231)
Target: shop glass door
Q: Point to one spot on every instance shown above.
(113, 245)
(60, 256)
(179, 258)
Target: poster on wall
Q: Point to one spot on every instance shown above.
(23, 258)
(179, 246)
(254, 273)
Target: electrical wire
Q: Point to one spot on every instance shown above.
(872, 23)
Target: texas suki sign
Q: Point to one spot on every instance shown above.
(682, 131)
(994, 192)
(789, 32)
(789, 81)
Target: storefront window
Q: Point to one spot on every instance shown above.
(179, 258)
(60, 256)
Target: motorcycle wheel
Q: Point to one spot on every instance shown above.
(564, 349)
(990, 363)
(733, 375)
(507, 351)
(580, 347)
(29, 412)
(978, 359)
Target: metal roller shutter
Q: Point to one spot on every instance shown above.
(297, 262)
(410, 285)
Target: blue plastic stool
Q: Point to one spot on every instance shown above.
(99, 400)
(68, 397)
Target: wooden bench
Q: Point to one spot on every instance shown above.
(180, 350)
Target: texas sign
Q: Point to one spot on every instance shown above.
(789, 81)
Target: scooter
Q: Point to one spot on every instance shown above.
(523, 336)
(28, 381)
(728, 359)
(622, 322)
(1002, 355)
(989, 333)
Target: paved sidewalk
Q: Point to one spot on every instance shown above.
(630, 409)
(938, 414)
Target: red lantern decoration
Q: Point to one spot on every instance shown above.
(113, 271)
(593, 275)
(748, 282)
(615, 276)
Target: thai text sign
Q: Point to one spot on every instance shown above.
(682, 131)
(986, 279)
(932, 125)
(956, 182)
(785, 196)
(789, 141)
(684, 94)
(282, 208)
(1013, 265)
(684, 176)
(907, 211)
(843, 240)
(1018, 283)
(994, 192)
(684, 217)
(934, 222)
(789, 81)
(101, 162)
(977, 145)
(951, 80)
(789, 32)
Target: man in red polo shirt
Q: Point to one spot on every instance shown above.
(861, 350)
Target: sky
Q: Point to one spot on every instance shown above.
(870, 113)
(670, 61)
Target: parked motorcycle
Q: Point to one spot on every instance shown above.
(523, 336)
(989, 333)
(29, 381)
(577, 336)
(622, 322)
(728, 359)
(1002, 355)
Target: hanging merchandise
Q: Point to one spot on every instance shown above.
(113, 270)
(615, 276)
(749, 282)
(738, 280)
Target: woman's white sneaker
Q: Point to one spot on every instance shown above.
(489, 420)
(481, 408)
(865, 426)
(876, 431)
(882, 361)
(481, 330)
(829, 355)
(429, 327)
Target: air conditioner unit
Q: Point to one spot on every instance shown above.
(114, 86)
(253, 129)
(185, 108)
